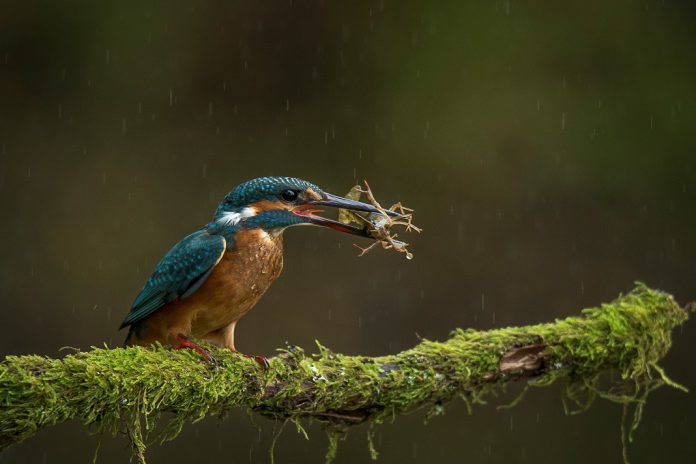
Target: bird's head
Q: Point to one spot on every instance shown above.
(274, 203)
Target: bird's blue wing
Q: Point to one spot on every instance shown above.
(179, 274)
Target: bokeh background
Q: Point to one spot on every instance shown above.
(547, 148)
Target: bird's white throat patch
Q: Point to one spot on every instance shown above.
(232, 218)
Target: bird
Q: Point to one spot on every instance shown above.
(210, 279)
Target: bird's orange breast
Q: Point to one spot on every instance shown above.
(238, 281)
(246, 270)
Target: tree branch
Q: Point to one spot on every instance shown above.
(129, 388)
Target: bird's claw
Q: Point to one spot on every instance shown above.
(262, 360)
(184, 342)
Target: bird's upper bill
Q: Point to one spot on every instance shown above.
(308, 207)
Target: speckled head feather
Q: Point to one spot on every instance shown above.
(262, 188)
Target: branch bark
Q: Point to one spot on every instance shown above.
(129, 388)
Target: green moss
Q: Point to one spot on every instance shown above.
(129, 389)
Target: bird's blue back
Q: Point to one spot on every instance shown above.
(179, 274)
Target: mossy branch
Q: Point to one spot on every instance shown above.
(130, 388)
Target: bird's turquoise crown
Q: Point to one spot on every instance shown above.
(262, 188)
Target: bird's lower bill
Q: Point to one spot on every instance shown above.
(307, 212)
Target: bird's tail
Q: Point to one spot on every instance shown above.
(127, 342)
(134, 333)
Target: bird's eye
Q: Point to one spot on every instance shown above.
(289, 195)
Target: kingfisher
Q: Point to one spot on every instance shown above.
(204, 285)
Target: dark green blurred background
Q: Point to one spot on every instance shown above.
(547, 148)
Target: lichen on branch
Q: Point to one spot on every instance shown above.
(130, 388)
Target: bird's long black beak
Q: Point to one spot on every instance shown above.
(335, 201)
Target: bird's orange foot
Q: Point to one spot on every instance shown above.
(183, 342)
(262, 360)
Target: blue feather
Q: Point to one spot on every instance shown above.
(179, 274)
